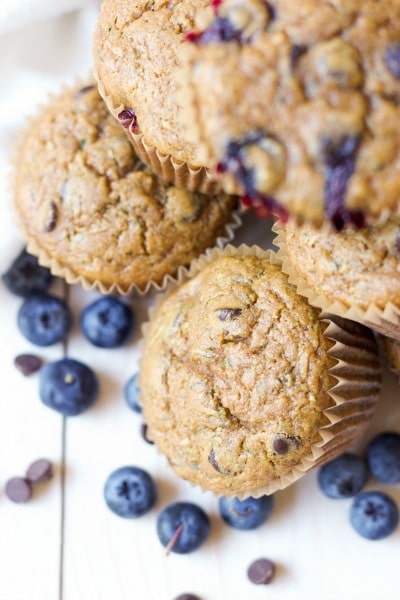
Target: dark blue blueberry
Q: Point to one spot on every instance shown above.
(343, 477)
(246, 514)
(392, 59)
(44, 319)
(383, 455)
(130, 492)
(68, 386)
(339, 159)
(25, 276)
(183, 527)
(374, 515)
(132, 393)
(220, 30)
(107, 322)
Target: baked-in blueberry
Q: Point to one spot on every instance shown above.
(132, 393)
(107, 322)
(374, 515)
(44, 319)
(68, 386)
(392, 59)
(220, 30)
(245, 514)
(383, 455)
(343, 477)
(130, 492)
(183, 527)
(25, 276)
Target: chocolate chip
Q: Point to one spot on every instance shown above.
(213, 462)
(143, 432)
(39, 470)
(28, 363)
(280, 445)
(18, 490)
(83, 91)
(52, 218)
(187, 597)
(392, 59)
(229, 313)
(261, 571)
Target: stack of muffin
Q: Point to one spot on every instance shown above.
(261, 365)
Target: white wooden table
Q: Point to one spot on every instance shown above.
(65, 544)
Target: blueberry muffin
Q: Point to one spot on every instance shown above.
(298, 104)
(355, 274)
(92, 212)
(237, 373)
(135, 57)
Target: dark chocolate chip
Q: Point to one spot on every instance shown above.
(392, 59)
(295, 440)
(39, 470)
(28, 363)
(187, 597)
(52, 218)
(83, 91)
(213, 462)
(18, 490)
(143, 432)
(261, 571)
(280, 445)
(296, 52)
(229, 313)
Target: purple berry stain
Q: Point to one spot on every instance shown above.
(339, 159)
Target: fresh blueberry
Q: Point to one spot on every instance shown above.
(374, 515)
(25, 276)
(68, 386)
(183, 527)
(343, 477)
(107, 322)
(132, 393)
(245, 514)
(130, 492)
(383, 456)
(44, 319)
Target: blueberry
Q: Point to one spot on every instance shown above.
(132, 393)
(25, 276)
(68, 386)
(130, 492)
(44, 319)
(107, 322)
(383, 456)
(245, 514)
(220, 30)
(343, 477)
(374, 515)
(392, 59)
(183, 527)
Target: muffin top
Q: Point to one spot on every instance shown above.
(89, 204)
(357, 268)
(135, 55)
(234, 376)
(298, 104)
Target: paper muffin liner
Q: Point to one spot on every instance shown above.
(64, 271)
(356, 372)
(181, 174)
(383, 320)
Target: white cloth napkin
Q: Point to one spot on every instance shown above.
(15, 14)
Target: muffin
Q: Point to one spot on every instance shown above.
(135, 57)
(92, 212)
(244, 385)
(355, 274)
(298, 104)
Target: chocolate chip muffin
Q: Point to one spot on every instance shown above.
(238, 377)
(135, 57)
(91, 210)
(355, 274)
(298, 104)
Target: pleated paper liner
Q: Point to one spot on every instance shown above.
(181, 174)
(62, 268)
(354, 395)
(391, 349)
(383, 320)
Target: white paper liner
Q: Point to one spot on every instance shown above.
(355, 394)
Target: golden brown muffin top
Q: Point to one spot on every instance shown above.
(234, 376)
(89, 204)
(135, 54)
(298, 102)
(357, 268)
